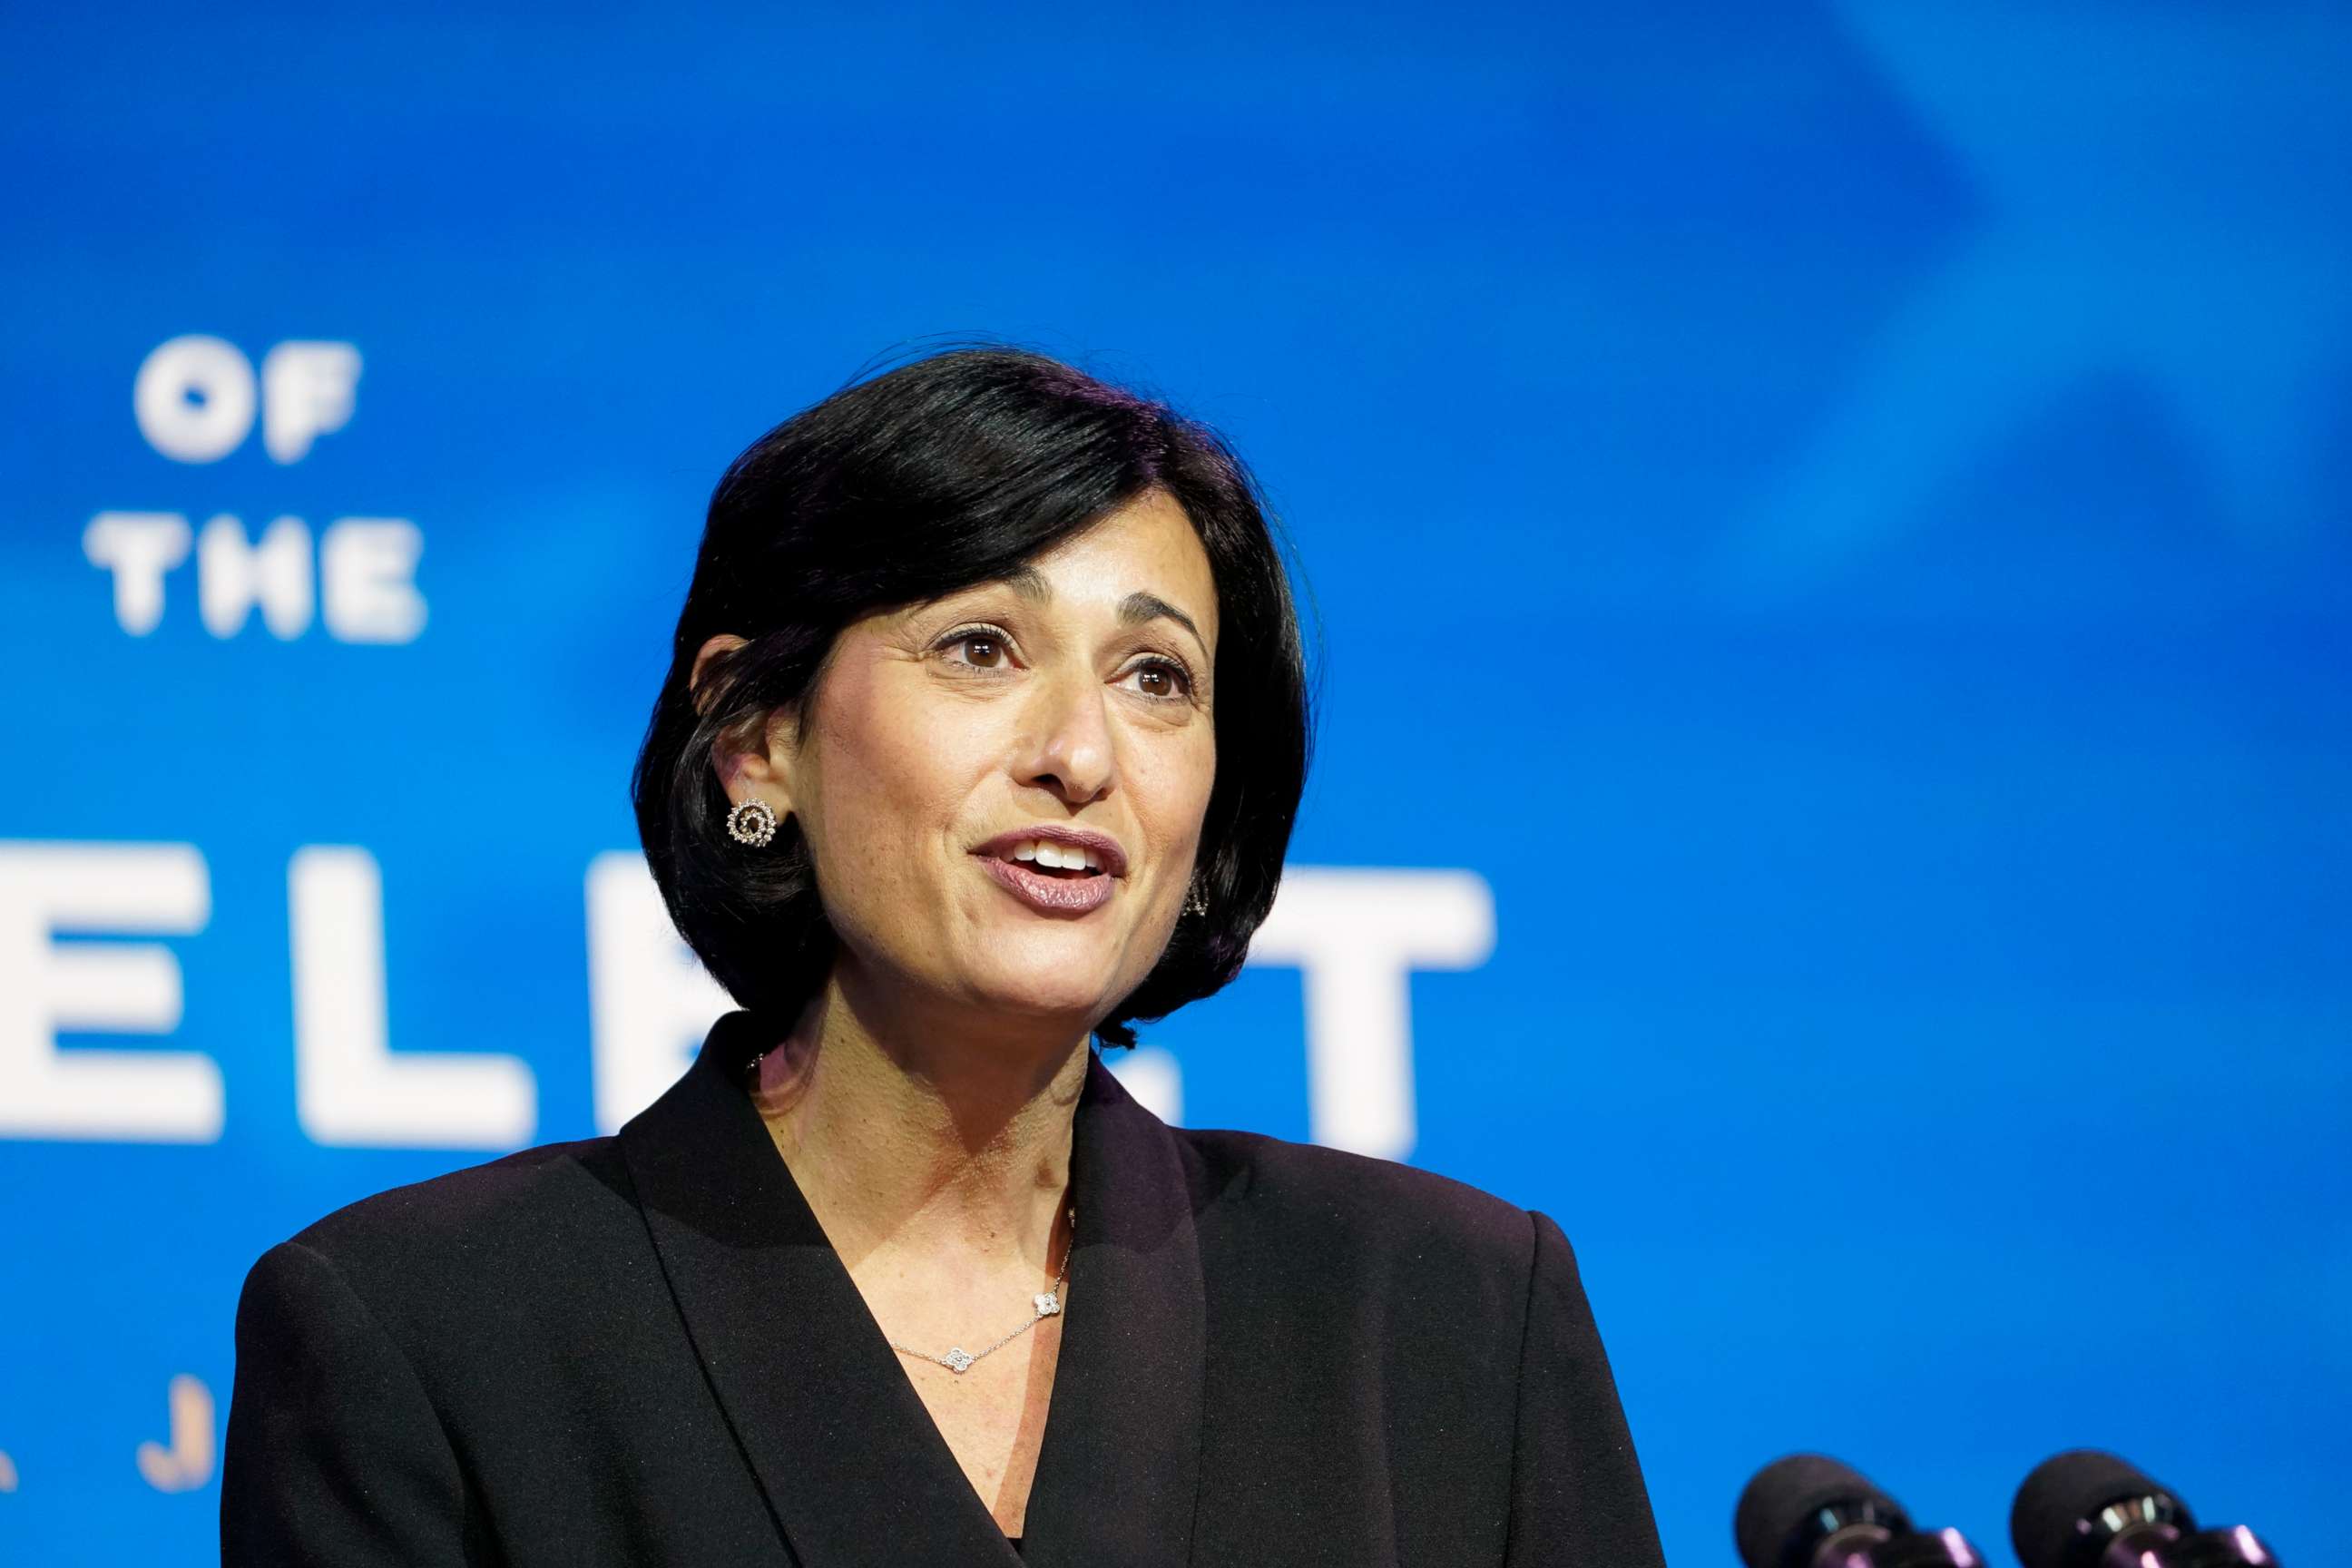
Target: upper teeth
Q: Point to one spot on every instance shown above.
(1064, 857)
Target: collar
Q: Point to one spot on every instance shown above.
(841, 1443)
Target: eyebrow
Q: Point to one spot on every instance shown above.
(1134, 610)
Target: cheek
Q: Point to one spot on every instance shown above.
(1184, 784)
(887, 793)
(1173, 796)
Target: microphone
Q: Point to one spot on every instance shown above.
(2085, 1508)
(1808, 1510)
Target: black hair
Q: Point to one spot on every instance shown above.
(933, 477)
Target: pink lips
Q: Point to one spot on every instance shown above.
(1050, 895)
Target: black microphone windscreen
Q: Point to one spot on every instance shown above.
(2046, 1523)
(1788, 1492)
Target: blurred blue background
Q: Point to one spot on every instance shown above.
(1832, 518)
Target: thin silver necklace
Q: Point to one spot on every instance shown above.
(1041, 1306)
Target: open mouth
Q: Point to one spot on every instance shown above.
(1076, 889)
(1060, 873)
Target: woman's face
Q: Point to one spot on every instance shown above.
(1076, 697)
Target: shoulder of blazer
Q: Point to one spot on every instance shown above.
(539, 1215)
(1354, 1212)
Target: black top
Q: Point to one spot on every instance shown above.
(642, 1349)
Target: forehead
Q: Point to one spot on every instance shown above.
(1143, 559)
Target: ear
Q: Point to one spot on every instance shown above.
(752, 756)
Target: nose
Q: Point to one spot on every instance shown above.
(1067, 745)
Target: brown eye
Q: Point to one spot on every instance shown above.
(985, 647)
(1164, 679)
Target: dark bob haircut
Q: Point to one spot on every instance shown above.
(936, 476)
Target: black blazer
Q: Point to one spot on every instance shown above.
(642, 1349)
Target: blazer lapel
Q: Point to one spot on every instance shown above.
(1121, 1465)
(853, 1468)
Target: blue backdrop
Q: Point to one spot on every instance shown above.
(1828, 529)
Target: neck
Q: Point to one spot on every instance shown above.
(924, 1132)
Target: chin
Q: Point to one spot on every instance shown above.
(1018, 995)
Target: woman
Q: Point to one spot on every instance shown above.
(984, 734)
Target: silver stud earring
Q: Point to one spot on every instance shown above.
(752, 822)
(1197, 904)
